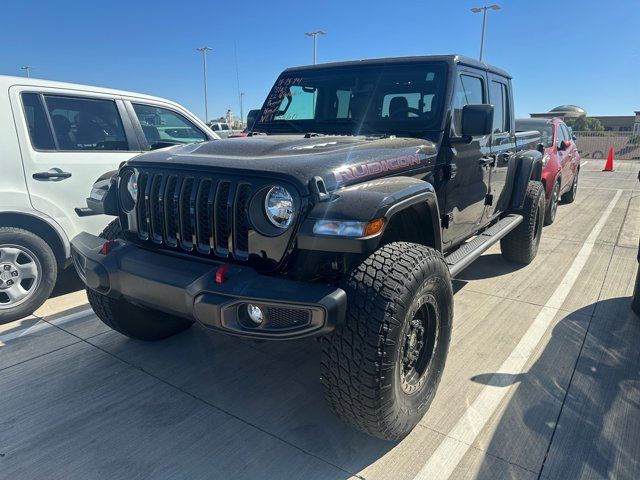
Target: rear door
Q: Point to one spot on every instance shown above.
(67, 140)
(570, 157)
(503, 140)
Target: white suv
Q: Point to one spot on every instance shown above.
(56, 139)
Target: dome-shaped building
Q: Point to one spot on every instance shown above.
(562, 111)
(569, 111)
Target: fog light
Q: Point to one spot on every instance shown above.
(255, 314)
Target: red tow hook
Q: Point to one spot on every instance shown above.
(107, 247)
(220, 278)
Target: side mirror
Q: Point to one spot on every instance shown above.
(564, 144)
(252, 116)
(477, 120)
(540, 148)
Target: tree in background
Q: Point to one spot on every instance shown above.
(586, 124)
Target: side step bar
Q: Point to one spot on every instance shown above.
(470, 251)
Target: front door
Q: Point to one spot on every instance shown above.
(503, 141)
(470, 165)
(67, 142)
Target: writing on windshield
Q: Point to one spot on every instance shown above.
(383, 98)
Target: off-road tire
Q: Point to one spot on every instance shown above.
(362, 362)
(129, 319)
(635, 300)
(48, 271)
(570, 196)
(521, 244)
(552, 206)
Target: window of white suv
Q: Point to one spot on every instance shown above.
(37, 123)
(162, 127)
(85, 123)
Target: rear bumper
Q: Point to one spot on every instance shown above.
(189, 289)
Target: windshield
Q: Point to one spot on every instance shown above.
(545, 129)
(382, 99)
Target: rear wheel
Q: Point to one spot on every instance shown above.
(129, 319)
(381, 368)
(570, 196)
(552, 206)
(28, 273)
(521, 245)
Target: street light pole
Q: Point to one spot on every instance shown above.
(484, 22)
(315, 43)
(204, 71)
(241, 111)
(27, 69)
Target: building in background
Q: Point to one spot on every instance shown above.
(611, 123)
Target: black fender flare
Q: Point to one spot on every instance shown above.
(382, 198)
(526, 165)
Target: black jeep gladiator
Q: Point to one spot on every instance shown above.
(364, 187)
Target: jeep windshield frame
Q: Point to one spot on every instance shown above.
(370, 99)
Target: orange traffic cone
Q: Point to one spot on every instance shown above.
(608, 167)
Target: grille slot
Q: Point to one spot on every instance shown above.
(221, 219)
(143, 204)
(241, 221)
(155, 208)
(206, 214)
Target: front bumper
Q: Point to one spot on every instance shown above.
(188, 289)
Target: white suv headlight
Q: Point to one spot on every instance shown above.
(279, 207)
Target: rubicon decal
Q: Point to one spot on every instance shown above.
(346, 174)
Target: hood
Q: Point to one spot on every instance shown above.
(338, 160)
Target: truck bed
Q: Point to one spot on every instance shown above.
(527, 140)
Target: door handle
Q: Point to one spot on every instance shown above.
(52, 174)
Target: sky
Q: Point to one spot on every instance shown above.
(584, 52)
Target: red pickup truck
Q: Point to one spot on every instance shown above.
(561, 161)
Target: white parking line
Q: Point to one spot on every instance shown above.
(460, 438)
(43, 325)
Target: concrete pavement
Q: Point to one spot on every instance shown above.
(542, 379)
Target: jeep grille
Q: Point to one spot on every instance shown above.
(193, 212)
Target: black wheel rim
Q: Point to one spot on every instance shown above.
(419, 342)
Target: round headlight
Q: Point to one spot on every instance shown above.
(278, 206)
(129, 190)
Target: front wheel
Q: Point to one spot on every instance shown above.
(28, 273)
(381, 368)
(521, 245)
(129, 319)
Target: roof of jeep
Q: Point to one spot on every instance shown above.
(451, 59)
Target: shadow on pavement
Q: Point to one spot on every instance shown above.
(593, 430)
(489, 265)
(68, 281)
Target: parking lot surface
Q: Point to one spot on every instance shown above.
(542, 379)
